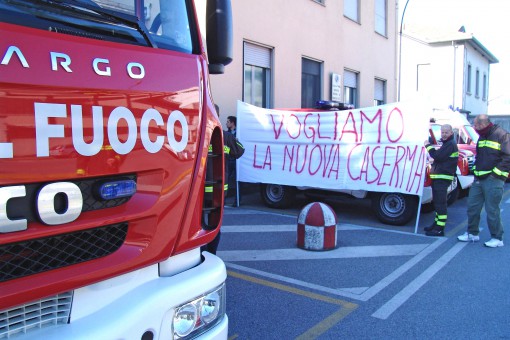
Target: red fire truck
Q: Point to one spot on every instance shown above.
(106, 118)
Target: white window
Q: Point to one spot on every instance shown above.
(351, 9)
(351, 88)
(257, 75)
(380, 17)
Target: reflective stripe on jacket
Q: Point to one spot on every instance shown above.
(445, 160)
(493, 154)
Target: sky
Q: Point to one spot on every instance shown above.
(488, 20)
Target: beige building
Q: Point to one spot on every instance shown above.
(291, 53)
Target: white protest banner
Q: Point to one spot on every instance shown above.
(377, 148)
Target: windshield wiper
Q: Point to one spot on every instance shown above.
(79, 6)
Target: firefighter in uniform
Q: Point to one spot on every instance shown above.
(442, 174)
(213, 245)
(492, 166)
(232, 148)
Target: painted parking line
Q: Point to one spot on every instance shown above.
(267, 228)
(337, 253)
(389, 307)
(356, 293)
(417, 251)
(321, 327)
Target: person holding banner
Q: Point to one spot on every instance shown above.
(442, 174)
(491, 170)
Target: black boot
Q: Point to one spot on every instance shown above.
(437, 231)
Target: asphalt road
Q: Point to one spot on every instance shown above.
(380, 282)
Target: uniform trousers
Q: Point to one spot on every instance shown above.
(439, 199)
(488, 192)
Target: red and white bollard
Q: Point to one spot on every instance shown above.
(316, 229)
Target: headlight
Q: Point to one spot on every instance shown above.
(200, 314)
(210, 307)
(185, 320)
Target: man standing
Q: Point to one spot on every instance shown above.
(491, 171)
(442, 174)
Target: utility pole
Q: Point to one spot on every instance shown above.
(400, 49)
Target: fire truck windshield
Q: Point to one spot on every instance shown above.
(163, 24)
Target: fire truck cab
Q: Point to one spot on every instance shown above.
(106, 119)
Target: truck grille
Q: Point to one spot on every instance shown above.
(42, 313)
(40, 255)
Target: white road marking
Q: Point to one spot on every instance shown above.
(293, 228)
(242, 211)
(355, 290)
(392, 305)
(402, 269)
(338, 253)
(277, 228)
(366, 295)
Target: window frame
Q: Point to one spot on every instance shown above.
(382, 101)
(353, 91)
(317, 82)
(347, 15)
(484, 87)
(477, 83)
(469, 79)
(378, 17)
(266, 65)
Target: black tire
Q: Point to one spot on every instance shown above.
(394, 208)
(277, 196)
(454, 194)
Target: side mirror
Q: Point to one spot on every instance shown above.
(219, 35)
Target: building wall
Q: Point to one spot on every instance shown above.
(438, 73)
(305, 28)
(417, 70)
(448, 76)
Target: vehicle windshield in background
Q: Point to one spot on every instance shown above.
(467, 135)
(472, 133)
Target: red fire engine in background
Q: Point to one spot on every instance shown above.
(106, 118)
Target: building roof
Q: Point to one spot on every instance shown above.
(435, 35)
